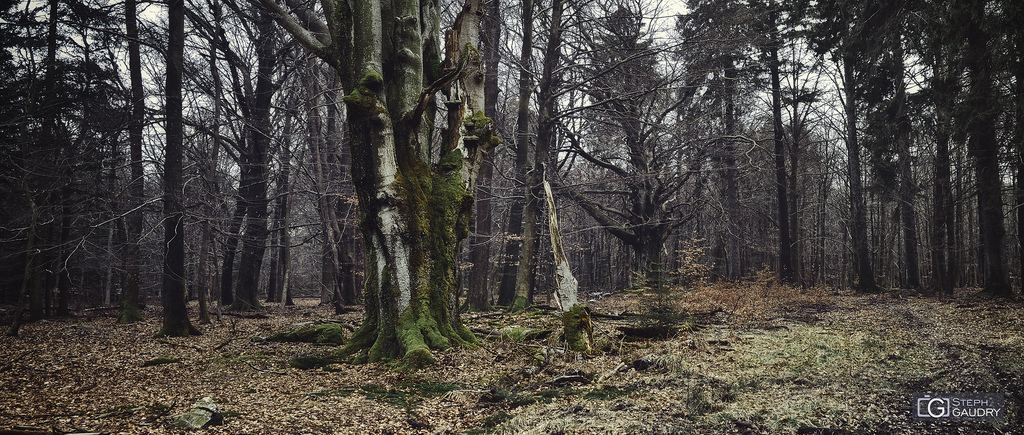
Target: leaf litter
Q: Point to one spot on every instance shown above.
(756, 358)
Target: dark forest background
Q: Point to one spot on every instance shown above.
(871, 144)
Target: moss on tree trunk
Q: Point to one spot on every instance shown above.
(414, 211)
(434, 209)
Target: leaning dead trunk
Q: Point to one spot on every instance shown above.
(566, 285)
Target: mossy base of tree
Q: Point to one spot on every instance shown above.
(469, 307)
(242, 305)
(579, 331)
(995, 292)
(411, 340)
(183, 328)
(130, 314)
(519, 304)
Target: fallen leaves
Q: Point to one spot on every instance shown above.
(765, 359)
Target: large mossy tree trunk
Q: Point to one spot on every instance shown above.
(414, 192)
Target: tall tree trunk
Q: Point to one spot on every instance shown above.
(795, 221)
(31, 271)
(1018, 141)
(274, 269)
(943, 223)
(38, 304)
(528, 248)
(912, 278)
(479, 295)
(785, 244)
(254, 244)
(136, 185)
(342, 251)
(858, 207)
(984, 147)
(545, 142)
(347, 290)
(278, 266)
(285, 293)
(732, 194)
(207, 276)
(227, 280)
(514, 229)
(413, 211)
(61, 266)
(175, 319)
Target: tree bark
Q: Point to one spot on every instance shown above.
(732, 199)
(912, 274)
(175, 319)
(344, 245)
(943, 220)
(514, 229)
(479, 294)
(207, 265)
(782, 197)
(227, 280)
(546, 123)
(984, 147)
(566, 285)
(1018, 141)
(254, 244)
(858, 208)
(414, 211)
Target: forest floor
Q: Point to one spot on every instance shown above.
(754, 359)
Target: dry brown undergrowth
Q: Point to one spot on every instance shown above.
(766, 359)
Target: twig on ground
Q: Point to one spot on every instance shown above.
(9, 365)
(265, 370)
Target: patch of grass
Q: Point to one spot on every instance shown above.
(811, 374)
(244, 358)
(546, 396)
(160, 409)
(608, 393)
(497, 419)
(406, 394)
(312, 362)
(161, 360)
(512, 398)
